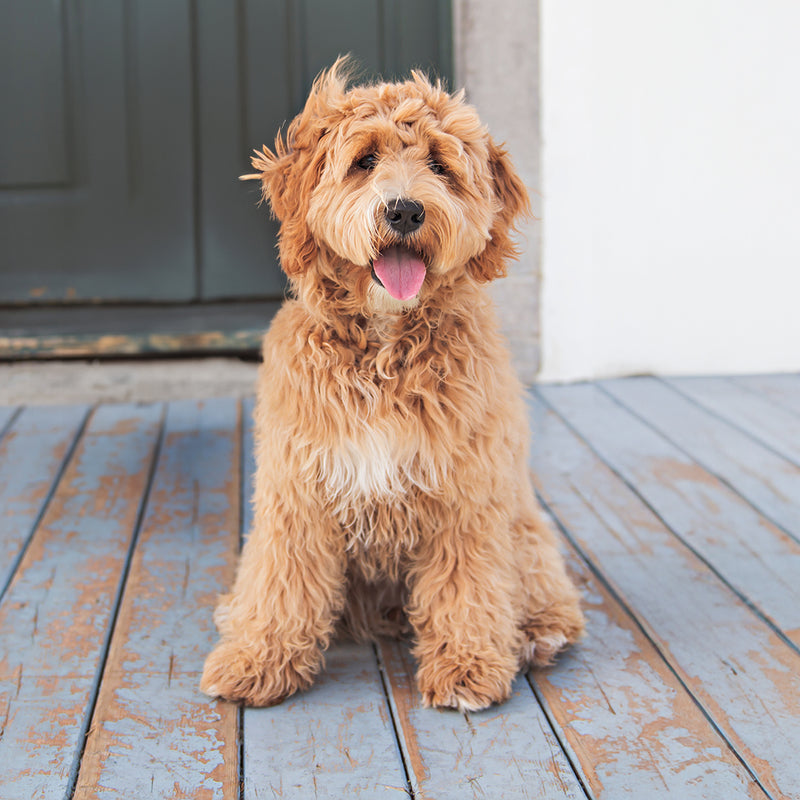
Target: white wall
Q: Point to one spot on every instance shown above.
(671, 187)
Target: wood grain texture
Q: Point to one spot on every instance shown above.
(75, 345)
(507, 751)
(333, 741)
(681, 689)
(766, 421)
(7, 414)
(625, 718)
(754, 556)
(32, 455)
(744, 676)
(761, 476)
(153, 732)
(783, 390)
(55, 616)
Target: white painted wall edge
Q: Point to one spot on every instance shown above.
(670, 173)
(497, 61)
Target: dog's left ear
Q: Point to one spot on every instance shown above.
(512, 197)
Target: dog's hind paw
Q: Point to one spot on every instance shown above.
(549, 632)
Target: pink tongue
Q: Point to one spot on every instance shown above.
(400, 271)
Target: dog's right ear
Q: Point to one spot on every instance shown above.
(288, 175)
(265, 162)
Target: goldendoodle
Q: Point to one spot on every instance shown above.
(392, 489)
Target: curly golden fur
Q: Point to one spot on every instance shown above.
(392, 489)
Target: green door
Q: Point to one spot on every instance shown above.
(124, 127)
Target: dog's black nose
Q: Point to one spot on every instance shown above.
(405, 216)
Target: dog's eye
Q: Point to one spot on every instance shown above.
(367, 162)
(436, 166)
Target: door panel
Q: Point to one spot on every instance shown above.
(116, 222)
(33, 129)
(242, 55)
(326, 33)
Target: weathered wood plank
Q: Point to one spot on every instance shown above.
(626, 719)
(55, 616)
(781, 389)
(765, 479)
(7, 414)
(756, 557)
(507, 751)
(69, 331)
(32, 456)
(108, 345)
(767, 422)
(745, 677)
(335, 740)
(153, 732)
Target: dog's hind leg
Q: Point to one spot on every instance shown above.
(551, 614)
(374, 609)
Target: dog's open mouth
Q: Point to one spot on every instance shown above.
(400, 271)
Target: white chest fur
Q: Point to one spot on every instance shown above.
(362, 468)
(376, 464)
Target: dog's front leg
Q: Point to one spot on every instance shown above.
(462, 612)
(282, 611)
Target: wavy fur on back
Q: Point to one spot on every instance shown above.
(391, 492)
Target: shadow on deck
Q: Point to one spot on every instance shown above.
(679, 506)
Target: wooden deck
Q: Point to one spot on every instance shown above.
(679, 505)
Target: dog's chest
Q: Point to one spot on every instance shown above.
(372, 481)
(375, 464)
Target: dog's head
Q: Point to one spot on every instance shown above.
(386, 192)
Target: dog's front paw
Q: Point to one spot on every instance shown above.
(254, 676)
(468, 683)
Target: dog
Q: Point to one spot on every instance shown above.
(392, 492)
